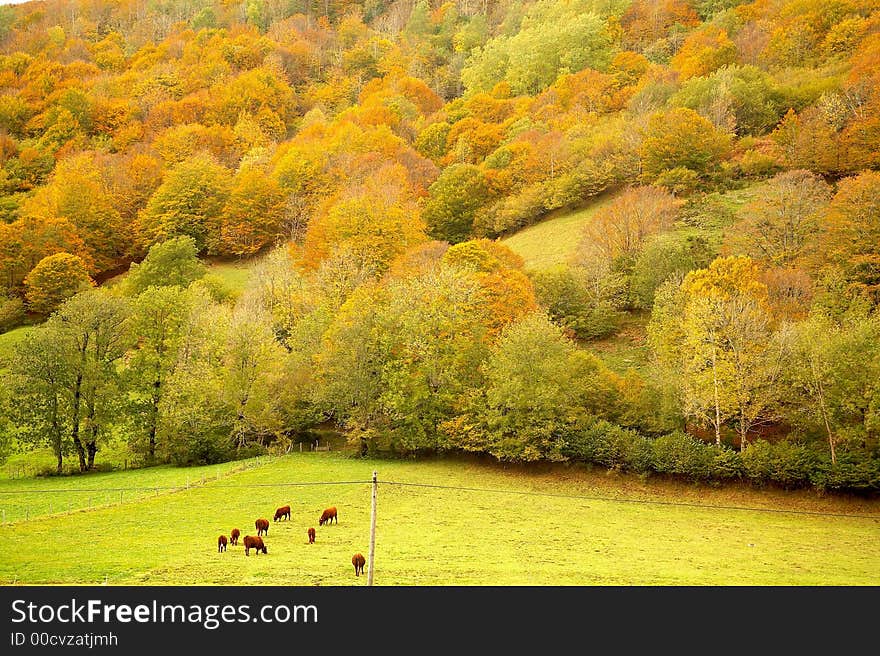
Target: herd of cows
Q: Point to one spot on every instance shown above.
(256, 543)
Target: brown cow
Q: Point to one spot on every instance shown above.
(311, 536)
(328, 516)
(358, 561)
(281, 513)
(251, 542)
(233, 537)
(262, 526)
(221, 543)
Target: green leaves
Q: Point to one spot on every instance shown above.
(169, 263)
(189, 202)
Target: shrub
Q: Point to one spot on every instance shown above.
(783, 463)
(605, 444)
(588, 310)
(12, 313)
(200, 449)
(851, 473)
(680, 454)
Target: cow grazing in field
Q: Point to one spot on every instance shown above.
(328, 516)
(311, 536)
(233, 537)
(253, 542)
(358, 561)
(262, 526)
(281, 513)
(221, 543)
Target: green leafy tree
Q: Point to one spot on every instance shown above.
(189, 202)
(714, 333)
(833, 376)
(453, 202)
(171, 262)
(159, 321)
(38, 377)
(572, 298)
(664, 257)
(396, 360)
(91, 331)
(681, 138)
(538, 387)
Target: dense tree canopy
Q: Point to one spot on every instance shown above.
(711, 167)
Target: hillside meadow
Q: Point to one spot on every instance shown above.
(455, 523)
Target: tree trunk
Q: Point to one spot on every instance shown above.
(717, 401)
(92, 441)
(827, 424)
(92, 449)
(743, 435)
(77, 398)
(154, 419)
(56, 435)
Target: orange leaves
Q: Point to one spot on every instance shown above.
(852, 230)
(646, 21)
(371, 222)
(681, 138)
(704, 51)
(397, 84)
(621, 228)
(509, 293)
(254, 214)
(470, 140)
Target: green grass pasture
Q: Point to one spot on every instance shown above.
(485, 525)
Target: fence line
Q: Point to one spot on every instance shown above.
(483, 490)
(240, 466)
(626, 500)
(184, 487)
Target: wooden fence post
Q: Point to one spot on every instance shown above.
(372, 531)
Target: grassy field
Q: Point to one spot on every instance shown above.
(628, 347)
(553, 241)
(32, 497)
(234, 274)
(9, 340)
(491, 526)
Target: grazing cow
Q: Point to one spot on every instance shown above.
(233, 537)
(221, 543)
(328, 516)
(281, 513)
(358, 561)
(251, 542)
(311, 536)
(262, 526)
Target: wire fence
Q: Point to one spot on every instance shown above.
(23, 504)
(98, 497)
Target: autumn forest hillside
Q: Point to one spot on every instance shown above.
(696, 177)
